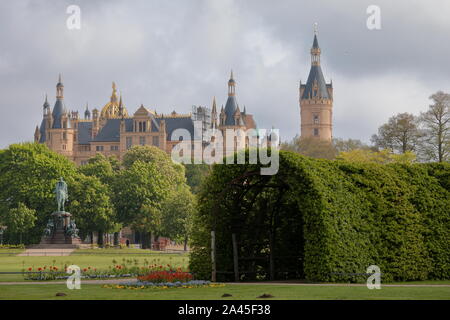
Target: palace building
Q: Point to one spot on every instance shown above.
(111, 131)
(316, 100)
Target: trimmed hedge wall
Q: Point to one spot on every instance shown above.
(337, 217)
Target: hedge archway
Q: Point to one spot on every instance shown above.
(325, 221)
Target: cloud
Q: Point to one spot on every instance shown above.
(174, 54)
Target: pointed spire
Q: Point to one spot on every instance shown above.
(315, 50)
(46, 105)
(231, 85)
(114, 93)
(59, 88)
(214, 109)
(87, 113)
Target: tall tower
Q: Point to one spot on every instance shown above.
(316, 100)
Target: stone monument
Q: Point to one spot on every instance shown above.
(60, 228)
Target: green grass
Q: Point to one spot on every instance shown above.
(2, 251)
(115, 251)
(238, 292)
(16, 263)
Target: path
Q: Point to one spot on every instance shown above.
(46, 252)
(109, 281)
(116, 281)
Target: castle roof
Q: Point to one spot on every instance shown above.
(110, 132)
(230, 109)
(84, 132)
(316, 80)
(58, 110)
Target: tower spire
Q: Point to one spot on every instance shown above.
(59, 88)
(114, 93)
(231, 85)
(315, 50)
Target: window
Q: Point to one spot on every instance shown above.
(142, 141)
(64, 136)
(98, 148)
(114, 148)
(84, 162)
(155, 141)
(129, 142)
(316, 132)
(64, 147)
(316, 119)
(144, 126)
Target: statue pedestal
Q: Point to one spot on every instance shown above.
(61, 222)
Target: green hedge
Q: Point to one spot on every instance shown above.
(337, 217)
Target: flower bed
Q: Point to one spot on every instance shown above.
(137, 285)
(152, 273)
(166, 277)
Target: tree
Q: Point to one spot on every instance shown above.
(179, 210)
(104, 169)
(400, 134)
(349, 145)
(195, 175)
(311, 147)
(100, 167)
(138, 192)
(382, 157)
(92, 208)
(28, 173)
(149, 154)
(436, 124)
(19, 220)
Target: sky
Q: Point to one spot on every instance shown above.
(171, 55)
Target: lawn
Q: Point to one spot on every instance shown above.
(104, 258)
(88, 259)
(238, 292)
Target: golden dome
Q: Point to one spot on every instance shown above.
(114, 109)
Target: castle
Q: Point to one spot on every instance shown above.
(112, 131)
(316, 100)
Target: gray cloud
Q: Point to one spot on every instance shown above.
(174, 54)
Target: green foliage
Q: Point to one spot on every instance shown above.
(335, 217)
(100, 167)
(19, 220)
(178, 208)
(195, 174)
(91, 206)
(382, 157)
(28, 173)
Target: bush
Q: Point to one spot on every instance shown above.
(325, 221)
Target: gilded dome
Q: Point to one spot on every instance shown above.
(114, 108)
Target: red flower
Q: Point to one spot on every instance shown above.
(84, 269)
(29, 269)
(39, 269)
